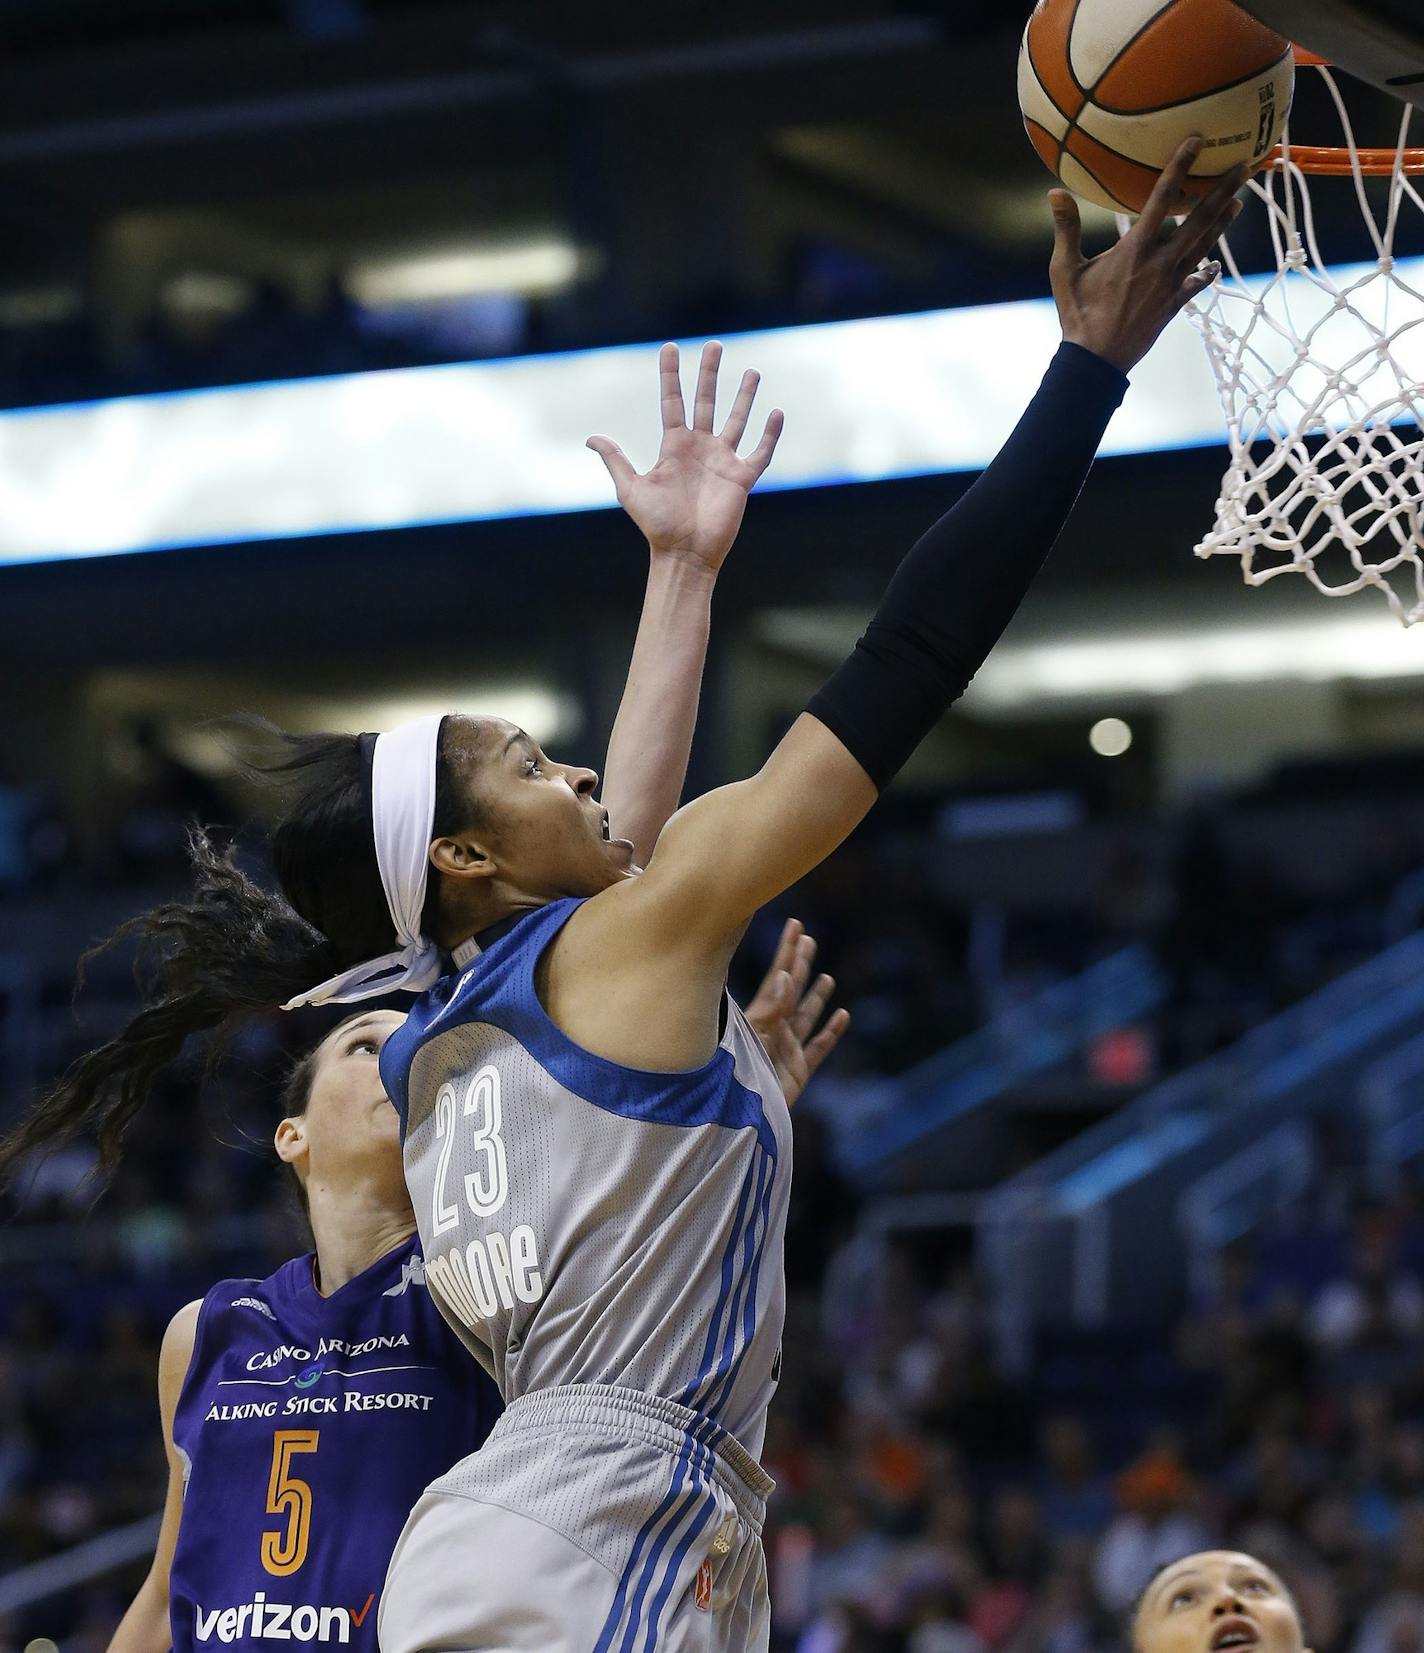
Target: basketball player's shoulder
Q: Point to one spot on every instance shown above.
(183, 1326)
(229, 1305)
(635, 922)
(494, 983)
(191, 1327)
(175, 1353)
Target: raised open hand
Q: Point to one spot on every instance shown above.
(1116, 304)
(786, 1009)
(690, 504)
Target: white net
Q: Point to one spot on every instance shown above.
(1320, 371)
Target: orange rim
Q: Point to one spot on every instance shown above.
(1334, 160)
(1322, 161)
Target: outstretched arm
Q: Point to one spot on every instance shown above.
(689, 506)
(729, 852)
(144, 1628)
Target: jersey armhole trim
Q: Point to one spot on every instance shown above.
(200, 1331)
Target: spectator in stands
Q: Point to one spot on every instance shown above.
(1066, 1619)
(16, 1447)
(1156, 1524)
(943, 1555)
(1396, 1625)
(1377, 1301)
(164, 796)
(937, 1621)
(1077, 1500)
(851, 1559)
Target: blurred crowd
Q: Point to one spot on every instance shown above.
(1238, 933)
(934, 1497)
(935, 1493)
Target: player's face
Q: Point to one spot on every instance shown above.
(542, 828)
(1218, 1600)
(349, 1134)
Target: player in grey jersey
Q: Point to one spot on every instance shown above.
(587, 1012)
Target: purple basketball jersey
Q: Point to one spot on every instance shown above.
(308, 1427)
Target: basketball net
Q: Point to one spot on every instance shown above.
(1320, 379)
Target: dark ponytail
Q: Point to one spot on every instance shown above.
(234, 948)
(230, 949)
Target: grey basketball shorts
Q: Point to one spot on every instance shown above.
(593, 1520)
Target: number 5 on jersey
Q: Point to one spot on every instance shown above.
(487, 1186)
(284, 1551)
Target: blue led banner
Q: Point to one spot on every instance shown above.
(865, 400)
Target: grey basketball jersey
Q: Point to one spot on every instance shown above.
(584, 1222)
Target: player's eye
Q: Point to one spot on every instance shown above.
(365, 1043)
(1257, 1586)
(531, 767)
(1182, 1598)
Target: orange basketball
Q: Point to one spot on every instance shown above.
(1110, 88)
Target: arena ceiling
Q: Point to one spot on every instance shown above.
(895, 127)
(695, 145)
(325, 128)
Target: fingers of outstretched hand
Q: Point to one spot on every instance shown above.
(791, 933)
(619, 467)
(1167, 194)
(812, 1006)
(802, 960)
(736, 425)
(770, 1011)
(760, 456)
(670, 389)
(704, 404)
(819, 1048)
(1198, 281)
(1067, 230)
(1210, 219)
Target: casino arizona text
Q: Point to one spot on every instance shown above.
(265, 1359)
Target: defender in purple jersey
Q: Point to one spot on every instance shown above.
(308, 1425)
(304, 1414)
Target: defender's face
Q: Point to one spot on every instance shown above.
(349, 1132)
(1217, 1602)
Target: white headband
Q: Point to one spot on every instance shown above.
(402, 815)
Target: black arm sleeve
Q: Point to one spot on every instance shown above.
(963, 581)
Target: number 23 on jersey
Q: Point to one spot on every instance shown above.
(487, 1186)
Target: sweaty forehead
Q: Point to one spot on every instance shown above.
(375, 1020)
(1210, 1564)
(479, 736)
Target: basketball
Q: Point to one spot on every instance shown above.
(1110, 88)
